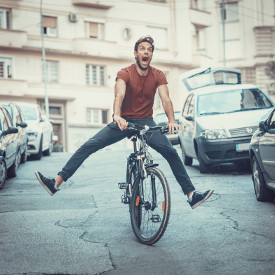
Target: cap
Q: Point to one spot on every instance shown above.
(146, 38)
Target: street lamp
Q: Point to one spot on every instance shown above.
(44, 66)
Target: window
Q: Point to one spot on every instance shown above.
(96, 116)
(127, 34)
(4, 19)
(5, 67)
(95, 75)
(51, 71)
(160, 37)
(49, 26)
(96, 30)
(198, 4)
(231, 11)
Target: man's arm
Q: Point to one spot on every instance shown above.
(168, 107)
(120, 89)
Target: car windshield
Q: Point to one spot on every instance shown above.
(162, 118)
(232, 101)
(29, 113)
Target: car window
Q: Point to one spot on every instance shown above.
(17, 115)
(4, 123)
(272, 121)
(161, 118)
(208, 78)
(232, 101)
(29, 113)
(186, 105)
(191, 107)
(8, 117)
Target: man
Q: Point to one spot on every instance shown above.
(135, 90)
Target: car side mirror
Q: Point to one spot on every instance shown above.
(11, 130)
(22, 124)
(262, 126)
(189, 118)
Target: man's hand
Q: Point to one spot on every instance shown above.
(173, 126)
(121, 122)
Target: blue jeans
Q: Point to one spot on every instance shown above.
(111, 134)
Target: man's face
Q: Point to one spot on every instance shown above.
(144, 55)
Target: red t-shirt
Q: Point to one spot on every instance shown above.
(140, 91)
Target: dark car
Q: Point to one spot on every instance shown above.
(9, 150)
(262, 157)
(162, 120)
(18, 121)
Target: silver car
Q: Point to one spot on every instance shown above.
(218, 121)
(39, 130)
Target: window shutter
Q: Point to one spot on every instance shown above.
(49, 22)
(93, 29)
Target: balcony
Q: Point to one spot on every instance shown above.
(94, 47)
(12, 87)
(200, 18)
(12, 38)
(102, 4)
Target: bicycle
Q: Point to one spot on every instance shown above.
(146, 189)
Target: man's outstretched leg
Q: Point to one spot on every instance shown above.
(107, 136)
(161, 144)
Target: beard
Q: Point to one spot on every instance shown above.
(139, 65)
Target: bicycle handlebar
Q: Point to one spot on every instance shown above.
(146, 128)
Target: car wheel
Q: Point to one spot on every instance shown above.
(3, 172)
(39, 154)
(204, 168)
(12, 171)
(261, 191)
(48, 152)
(24, 156)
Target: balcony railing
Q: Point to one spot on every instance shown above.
(12, 38)
(103, 4)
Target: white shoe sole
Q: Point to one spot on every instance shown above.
(41, 182)
(203, 200)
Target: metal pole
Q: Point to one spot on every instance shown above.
(44, 67)
(223, 32)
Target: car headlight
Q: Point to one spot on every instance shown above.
(32, 136)
(214, 133)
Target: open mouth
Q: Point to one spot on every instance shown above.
(145, 59)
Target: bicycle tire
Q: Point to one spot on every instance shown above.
(149, 225)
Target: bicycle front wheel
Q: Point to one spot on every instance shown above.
(150, 210)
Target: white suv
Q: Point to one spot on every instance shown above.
(219, 117)
(39, 130)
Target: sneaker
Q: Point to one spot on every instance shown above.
(47, 183)
(198, 198)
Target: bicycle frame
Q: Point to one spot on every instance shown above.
(139, 157)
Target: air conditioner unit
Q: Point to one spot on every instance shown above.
(72, 17)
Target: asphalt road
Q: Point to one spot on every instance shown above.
(84, 228)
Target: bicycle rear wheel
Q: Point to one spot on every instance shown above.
(149, 220)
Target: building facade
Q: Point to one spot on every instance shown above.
(87, 41)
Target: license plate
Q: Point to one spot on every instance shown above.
(242, 147)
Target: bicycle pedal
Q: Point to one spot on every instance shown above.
(122, 185)
(156, 218)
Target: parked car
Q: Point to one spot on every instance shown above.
(9, 149)
(18, 121)
(219, 117)
(39, 130)
(262, 157)
(162, 120)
